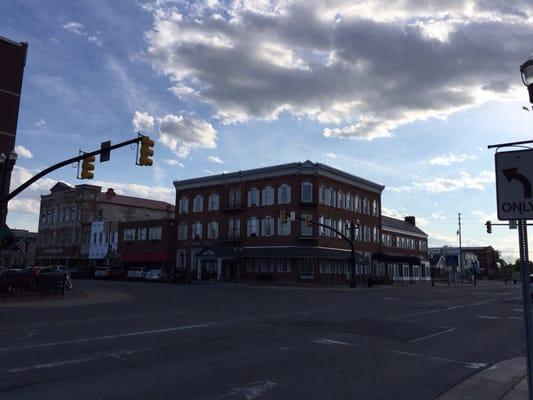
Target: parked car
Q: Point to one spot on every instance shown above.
(181, 275)
(135, 273)
(156, 275)
(101, 273)
(117, 273)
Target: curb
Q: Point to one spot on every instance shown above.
(493, 383)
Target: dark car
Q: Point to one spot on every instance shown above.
(117, 273)
(181, 275)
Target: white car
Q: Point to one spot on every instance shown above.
(156, 275)
(135, 273)
(101, 273)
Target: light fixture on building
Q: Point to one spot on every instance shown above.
(526, 70)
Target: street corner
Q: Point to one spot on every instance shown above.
(76, 297)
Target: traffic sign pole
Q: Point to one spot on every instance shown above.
(526, 294)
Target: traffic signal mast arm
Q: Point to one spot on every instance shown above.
(327, 227)
(61, 164)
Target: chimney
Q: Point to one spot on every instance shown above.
(110, 192)
(410, 220)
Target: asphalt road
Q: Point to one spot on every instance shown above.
(228, 341)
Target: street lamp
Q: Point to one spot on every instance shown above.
(526, 70)
(354, 226)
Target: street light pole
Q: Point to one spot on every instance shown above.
(353, 227)
(7, 162)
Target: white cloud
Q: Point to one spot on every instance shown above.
(450, 158)
(74, 27)
(26, 206)
(391, 212)
(181, 133)
(437, 216)
(215, 159)
(143, 122)
(439, 185)
(96, 40)
(355, 66)
(208, 171)
(23, 151)
(331, 155)
(173, 163)
(40, 123)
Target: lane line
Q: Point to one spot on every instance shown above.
(516, 318)
(487, 317)
(331, 341)
(433, 335)
(106, 337)
(518, 309)
(479, 303)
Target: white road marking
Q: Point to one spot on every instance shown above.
(487, 317)
(252, 390)
(479, 303)
(389, 298)
(473, 365)
(518, 309)
(516, 318)
(284, 348)
(455, 307)
(115, 354)
(107, 337)
(433, 335)
(331, 341)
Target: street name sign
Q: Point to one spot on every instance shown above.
(514, 181)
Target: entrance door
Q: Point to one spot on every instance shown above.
(307, 269)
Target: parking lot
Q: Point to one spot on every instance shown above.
(233, 341)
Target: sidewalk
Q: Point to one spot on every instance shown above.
(503, 381)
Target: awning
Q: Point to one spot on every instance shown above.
(394, 258)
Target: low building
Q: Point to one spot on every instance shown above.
(22, 252)
(148, 244)
(404, 251)
(229, 225)
(78, 226)
(488, 260)
(446, 260)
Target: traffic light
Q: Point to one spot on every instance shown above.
(7, 239)
(87, 168)
(489, 226)
(307, 221)
(147, 151)
(283, 216)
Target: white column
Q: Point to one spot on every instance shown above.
(219, 269)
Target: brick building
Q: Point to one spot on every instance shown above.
(488, 260)
(78, 226)
(404, 251)
(228, 225)
(149, 244)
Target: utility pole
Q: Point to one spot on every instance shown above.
(460, 248)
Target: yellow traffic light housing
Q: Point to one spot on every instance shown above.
(307, 220)
(147, 151)
(489, 226)
(283, 216)
(87, 168)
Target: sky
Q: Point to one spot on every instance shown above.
(406, 93)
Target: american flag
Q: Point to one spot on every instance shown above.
(21, 248)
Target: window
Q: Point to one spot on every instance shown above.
(250, 265)
(357, 203)
(155, 233)
(325, 267)
(267, 226)
(306, 230)
(141, 234)
(340, 200)
(268, 196)
(198, 204)
(253, 227)
(214, 200)
(67, 214)
(284, 194)
(284, 229)
(100, 238)
(307, 192)
(375, 208)
(281, 265)
(129, 235)
(322, 195)
(321, 229)
(184, 205)
(234, 198)
(196, 231)
(182, 232)
(416, 271)
(253, 197)
(366, 206)
(234, 228)
(181, 259)
(375, 234)
(212, 230)
(405, 271)
(348, 202)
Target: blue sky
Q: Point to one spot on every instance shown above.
(404, 94)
